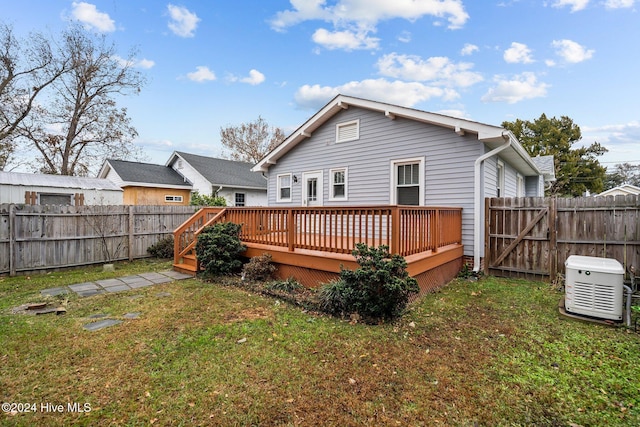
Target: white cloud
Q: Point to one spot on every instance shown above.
(438, 69)
(255, 78)
(136, 63)
(518, 53)
(468, 49)
(89, 15)
(521, 87)
(620, 139)
(347, 40)
(370, 12)
(202, 74)
(576, 5)
(618, 4)
(404, 37)
(571, 51)
(395, 92)
(363, 16)
(183, 22)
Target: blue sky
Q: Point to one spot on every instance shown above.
(212, 64)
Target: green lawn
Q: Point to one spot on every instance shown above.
(492, 352)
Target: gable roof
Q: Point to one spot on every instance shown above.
(546, 166)
(491, 136)
(624, 189)
(144, 174)
(222, 172)
(56, 181)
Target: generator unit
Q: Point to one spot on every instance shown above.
(594, 287)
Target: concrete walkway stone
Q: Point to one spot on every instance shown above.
(126, 283)
(101, 324)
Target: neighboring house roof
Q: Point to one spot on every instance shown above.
(491, 136)
(144, 174)
(622, 190)
(222, 172)
(546, 166)
(56, 181)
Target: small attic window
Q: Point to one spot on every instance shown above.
(348, 131)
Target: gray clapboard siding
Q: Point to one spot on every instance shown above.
(449, 161)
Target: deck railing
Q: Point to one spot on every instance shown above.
(405, 229)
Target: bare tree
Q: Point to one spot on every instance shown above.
(250, 142)
(27, 67)
(80, 123)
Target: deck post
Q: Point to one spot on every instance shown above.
(291, 229)
(395, 230)
(436, 230)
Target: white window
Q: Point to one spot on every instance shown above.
(407, 177)
(519, 186)
(240, 197)
(348, 131)
(284, 188)
(338, 184)
(173, 199)
(500, 179)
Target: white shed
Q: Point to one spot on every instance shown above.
(37, 189)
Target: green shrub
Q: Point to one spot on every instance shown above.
(163, 248)
(290, 285)
(378, 290)
(219, 247)
(259, 268)
(198, 199)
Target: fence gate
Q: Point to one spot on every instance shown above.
(519, 237)
(532, 237)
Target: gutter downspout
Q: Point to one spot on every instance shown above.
(477, 195)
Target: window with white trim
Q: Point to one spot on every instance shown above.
(338, 179)
(173, 199)
(348, 131)
(500, 179)
(240, 199)
(519, 186)
(284, 187)
(407, 177)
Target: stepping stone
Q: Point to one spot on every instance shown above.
(90, 292)
(163, 294)
(98, 316)
(140, 283)
(101, 324)
(84, 287)
(133, 315)
(52, 292)
(118, 288)
(156, 278)
(109, 283)
(176, 275)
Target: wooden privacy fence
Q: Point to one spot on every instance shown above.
(533, 237)
(48, 237)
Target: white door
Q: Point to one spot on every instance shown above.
(312, 188)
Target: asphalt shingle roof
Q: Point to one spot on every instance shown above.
(224, 172)
(147, 173)
(60, 181)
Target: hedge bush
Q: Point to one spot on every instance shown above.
(219, 247)
(163, 248)
(378, 290)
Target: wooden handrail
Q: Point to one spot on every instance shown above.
(405, 229)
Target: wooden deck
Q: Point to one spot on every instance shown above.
(311, 244)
